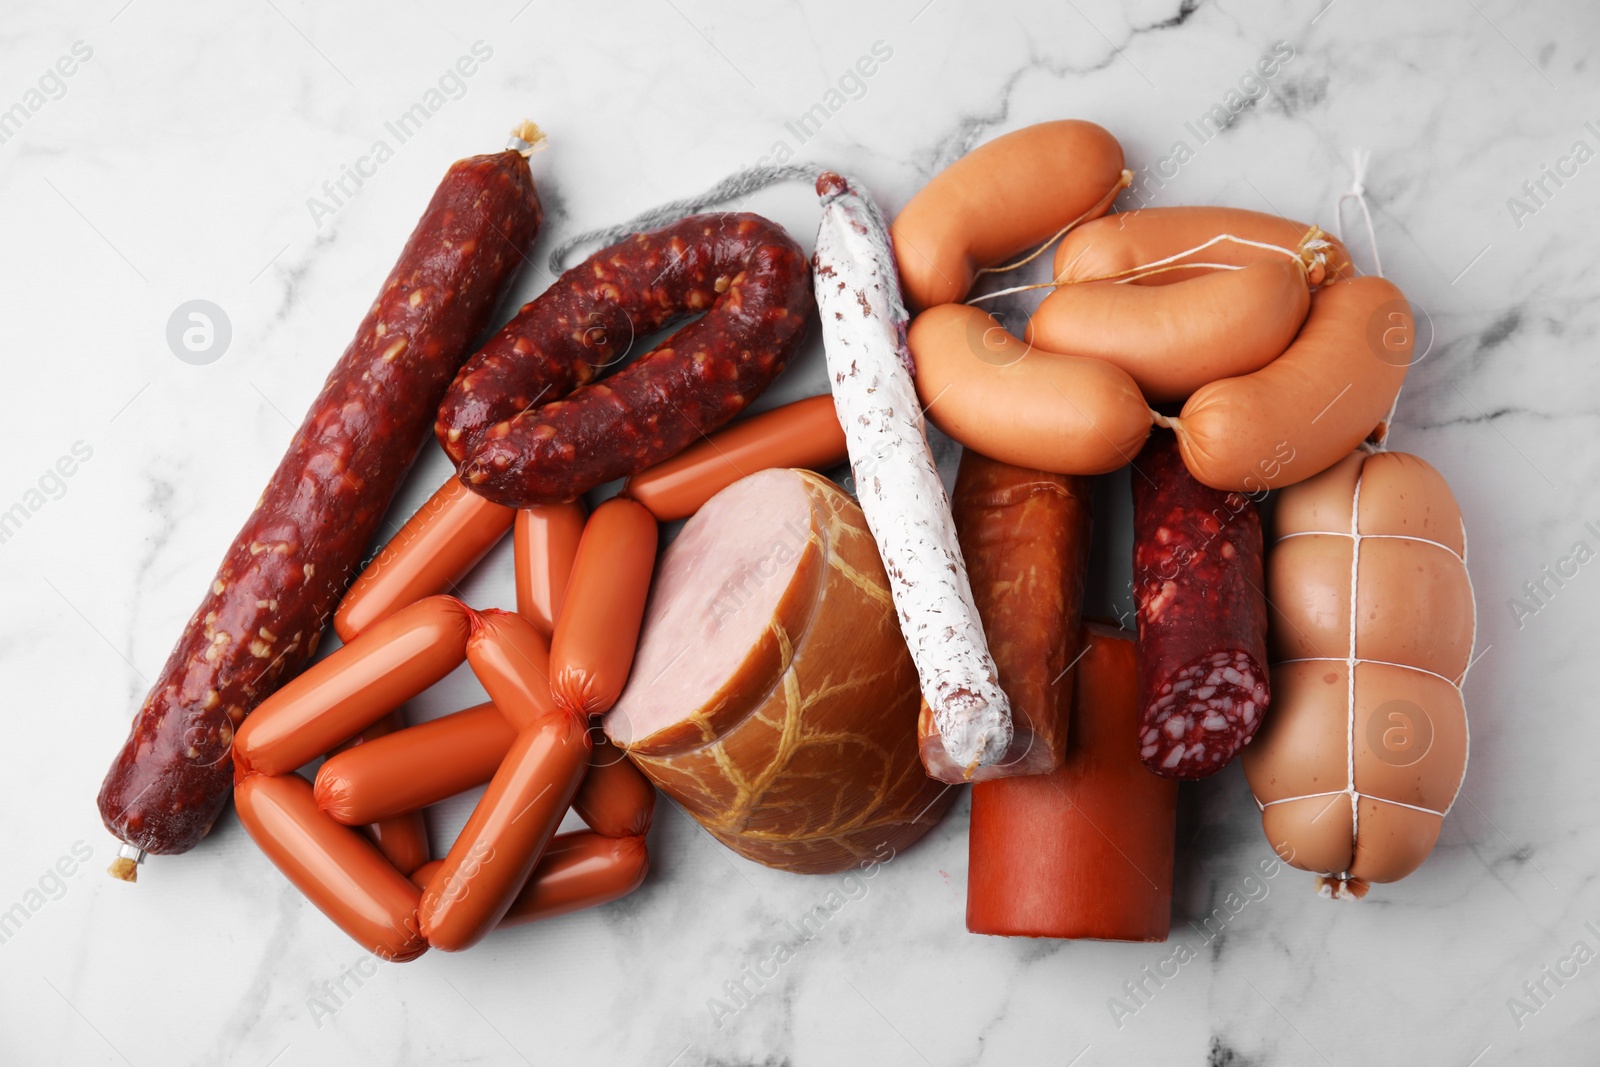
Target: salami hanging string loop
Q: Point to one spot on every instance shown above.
(734, 186)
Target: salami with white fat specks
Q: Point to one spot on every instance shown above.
(1198, 586)
(286, 570)
(907, 510)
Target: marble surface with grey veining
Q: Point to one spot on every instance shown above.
(153, 154)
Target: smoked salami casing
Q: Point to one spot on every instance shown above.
(772, 695)
(1025, 538)
(527, 425)
(286, 570)
(1372, 630)
(1085, 850)
(1197, 582)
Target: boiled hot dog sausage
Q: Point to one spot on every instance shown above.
(804, 434)
(510, 657)
(334, 866)
(1311, 406)
(520, 440)
(402, 837)
(997, 200)
(412, 768)
(1172, 339)
(443, 541)
(1085, 850)
(356, 686)
(1025, 538)
(1020, 404)
(1198, 587)
(506, 833)
(592, 649)
(263, 614)
(579, 870)
(1117, 244)
(615, 799)
(545, 540)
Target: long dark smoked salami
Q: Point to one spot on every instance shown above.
(286, 570)
(1198, 586)
(526, 422)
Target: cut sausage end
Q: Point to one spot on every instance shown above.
(1203, 715)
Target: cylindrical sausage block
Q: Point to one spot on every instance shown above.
(334, 866)
(803, 434)
(509, 656)
(355, 686)
(1197, 582)
(1086, 850)
(506, 833)
(545, 540)
(1372, 632)
(615, 799)
(407, 770)
(443, 541)
(592, 649)
(402, 837)
(773, 696)
(1025, 539)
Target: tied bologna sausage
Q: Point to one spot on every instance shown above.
(1021, 404)
(355, 686)
(402, 837)
(526, 423)
(1172, 339)
(412, 768)
(278, 584)
(443, 541)
(1085, 850)
(1120, 244)
(506, 833)
(1015, 191)
(1372, 631)
(804, 434)
(545, 542)
(334, 866)
(1311, 406)
(1025, 538)
(592, 650)
(1197, 581)
(579, 870)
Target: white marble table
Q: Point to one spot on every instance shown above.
(178, 161)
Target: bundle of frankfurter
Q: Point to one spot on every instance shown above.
(806, 672)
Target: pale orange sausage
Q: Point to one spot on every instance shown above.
(444, 540)
(615, 799)
(1172, 339)
(999, 199)
(1022, 405)
(355, 686)
(506, 833)
(804, 434)
(402, 836)
(1311, 406)
(510, 657)
(579, 870)
(545, 540)
(592, 649)
(412, 768)
(1113, 245)
(336, 868)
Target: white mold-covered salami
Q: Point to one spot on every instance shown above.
(864, 333)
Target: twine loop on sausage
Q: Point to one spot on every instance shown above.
(1378, 440)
